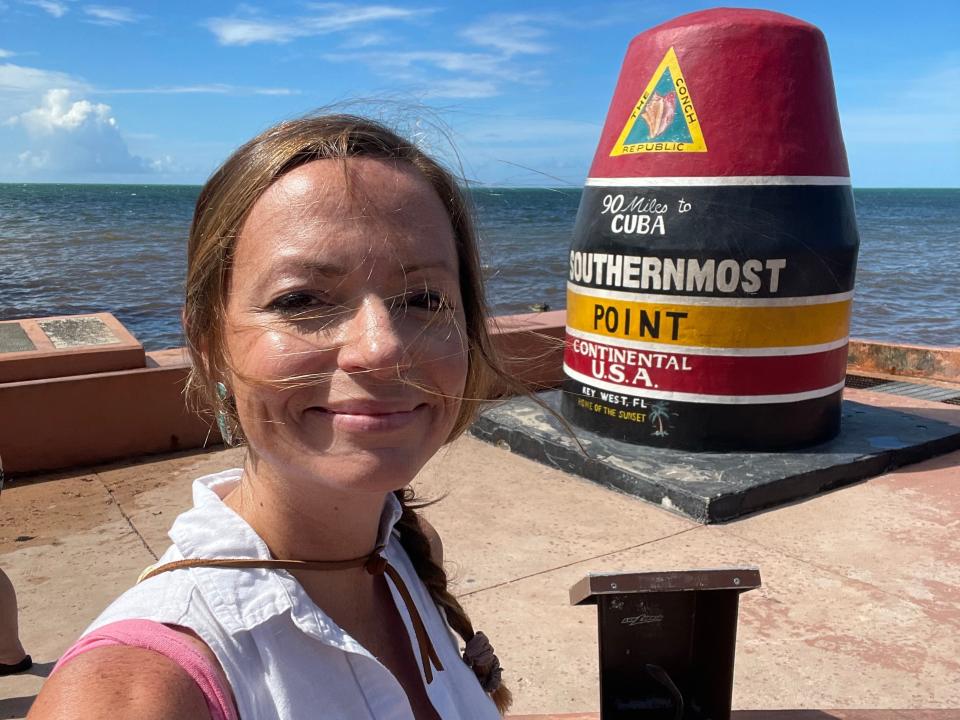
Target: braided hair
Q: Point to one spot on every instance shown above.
(434, 577)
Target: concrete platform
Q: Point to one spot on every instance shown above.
(715, 486)
(859, 609)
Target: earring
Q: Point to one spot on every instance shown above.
(222, 421)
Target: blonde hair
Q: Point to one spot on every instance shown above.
(222, 208)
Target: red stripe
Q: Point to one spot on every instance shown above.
(709, 374)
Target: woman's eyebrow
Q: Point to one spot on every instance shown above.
(319, 268)
(333, 270)
(295, 266)
(409, 269)
(316, 267)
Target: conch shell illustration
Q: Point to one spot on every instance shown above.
(658, 112)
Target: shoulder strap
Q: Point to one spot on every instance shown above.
(374, 563)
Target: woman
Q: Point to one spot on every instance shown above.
(335, 316)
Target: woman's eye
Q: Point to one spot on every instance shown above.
(296, 303)
(427, 300)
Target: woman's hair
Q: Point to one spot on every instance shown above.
(222, 208)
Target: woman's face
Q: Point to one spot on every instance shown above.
(344, 327)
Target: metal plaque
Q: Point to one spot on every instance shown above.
(14, 339)
(77, 332)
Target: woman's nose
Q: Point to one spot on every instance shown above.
(373, 342)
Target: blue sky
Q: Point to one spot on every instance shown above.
(160, 92)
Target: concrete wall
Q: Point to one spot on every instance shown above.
(930, 363)
(87, 419)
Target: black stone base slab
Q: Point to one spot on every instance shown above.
(714, 487)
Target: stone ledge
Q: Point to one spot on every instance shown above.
(41, 348)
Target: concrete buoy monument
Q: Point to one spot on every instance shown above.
(712, 265)
(710, 283)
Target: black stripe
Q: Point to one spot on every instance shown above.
(704, 426)
(812, 227)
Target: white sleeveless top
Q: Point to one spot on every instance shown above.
(284, 657)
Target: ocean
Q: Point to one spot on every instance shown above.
(72, 249)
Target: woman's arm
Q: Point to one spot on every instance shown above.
(169, 657)
(120, 683)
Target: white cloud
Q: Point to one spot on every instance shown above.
(22, 87)
(57, 9)
(449, 61)
(363, 40)
(207, 89)
(510, 34)
(166, 165)
(6, 53)
(110, 15)
(905, 118)
(247, 32)
(524, 130)
(70, 138)
(499, 42)
(478, 74)
(460, 88)
(938, 88)
(331, 19)
(19, 77)
(58, 113)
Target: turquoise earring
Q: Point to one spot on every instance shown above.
(222, 422)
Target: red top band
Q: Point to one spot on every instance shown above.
(724, 93)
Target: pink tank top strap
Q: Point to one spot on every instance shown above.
(159, 638)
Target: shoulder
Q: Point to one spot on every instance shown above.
(167, 598)
(128, 661)
(120, 682)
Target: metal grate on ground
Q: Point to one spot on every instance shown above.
(933, 393)
(862, 382)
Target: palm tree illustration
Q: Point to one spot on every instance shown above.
(658, 413)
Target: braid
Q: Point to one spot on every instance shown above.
(432, 575)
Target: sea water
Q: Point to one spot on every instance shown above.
(71, 249)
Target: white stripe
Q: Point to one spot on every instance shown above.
(711, 301)
(698, 350)
(697, 398)
(721, 180)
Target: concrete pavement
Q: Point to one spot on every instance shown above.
(860, 604)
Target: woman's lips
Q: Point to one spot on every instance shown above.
(368, 418)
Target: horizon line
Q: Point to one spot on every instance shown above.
(469, 186)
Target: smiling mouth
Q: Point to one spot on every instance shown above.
(368, 418)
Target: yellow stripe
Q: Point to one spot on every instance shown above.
(709, 325)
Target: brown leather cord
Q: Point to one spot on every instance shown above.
(374, 563)
(427, 653)
(251, 563)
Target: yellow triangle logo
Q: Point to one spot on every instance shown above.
(664, 119)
